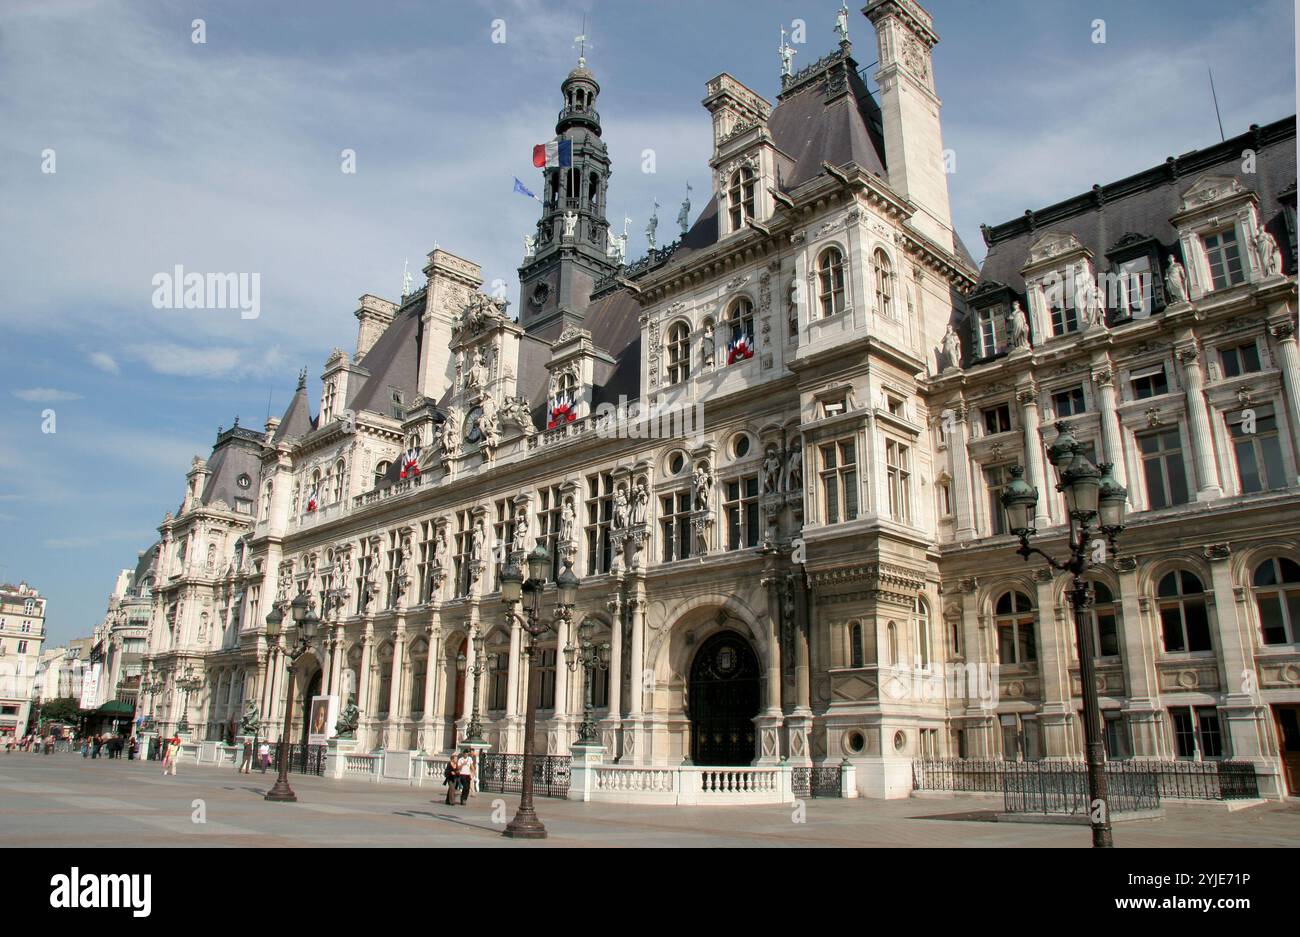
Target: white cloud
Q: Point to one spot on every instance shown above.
(208, 362)
(104, 362)
(45, 395)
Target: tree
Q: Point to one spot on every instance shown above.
(60, 709)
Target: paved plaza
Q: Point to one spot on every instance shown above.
(65, 800)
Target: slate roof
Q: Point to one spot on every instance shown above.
(238, 451)
(297, 420)
(393, 361)
(1143, 203)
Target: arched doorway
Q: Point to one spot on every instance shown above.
(303, 705)
(722, 701)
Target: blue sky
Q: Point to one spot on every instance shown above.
(225, 156)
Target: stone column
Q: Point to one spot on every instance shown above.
(979, 715)
(512, 741)
(955, 426)
(363, 683)
(633, 745)
(1028, 398)
(1198, 421)
(1111, 442)
(797, 615)
(1056, 635)
(431, 664)
(395, 684)
(1289, 363)
(610, 729)
(561, 713)
(1142, 690)
(768, 722)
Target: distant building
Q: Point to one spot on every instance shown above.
(22, 632)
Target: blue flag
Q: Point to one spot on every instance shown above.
(523, 190)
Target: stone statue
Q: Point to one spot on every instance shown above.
(622, 509)
(476, 378)
(640, 501)
(530, 245)
(951, 348)
(1176, 281)
(518, 412)
(488, 426)
(707, 347)
(684, 215)
(568, 522)
(1270, 258)
(520, 542)
(842, 22)
(570, 223)
(652, 226)
(703, 480)
(786, 54)
(771, 471)
(476, 545)
(617, 250)
(346, 727)
(449, 435)
(1017, 326)
(249, 722)
(794, 468)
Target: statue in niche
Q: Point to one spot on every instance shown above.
(570, 223)
(640, 501)
(568, 522)
(530, 245)
(476, 379)
(477, 542)
(703, 480)
(707, 348)
(621, 509)
(771, 471)
(1270, 258)
(519, 544)
(951, 348)
(1176, 281)
(794, 468)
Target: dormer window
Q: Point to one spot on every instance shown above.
(830, 279)
(395, 408)
(992, 330)
(1224, 256)
(1133, 294)
(679, 353)
(740, 197)
(883, 274)
(1063, 302)
(327, 402)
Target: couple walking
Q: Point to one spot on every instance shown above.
(171, 755)
(461, 775)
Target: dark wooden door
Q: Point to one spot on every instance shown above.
(722, 700)
(1288, 738)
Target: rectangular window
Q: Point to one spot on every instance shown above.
(1240, 359)
(675, 525)
(1196, 730)
(1116, 736)
(839, 473)
(394, 571)
(1068, 402)
(600, 514)
(1184, 731)
(899, 468)
(992, 331)
(22, 647)
(1224, 255)
(464, 546)
(741, 507)
(996, 478)
(997, 419)
(545, 689)
(428, 531)
(1150, 382)
(1162, 466)
(550, 512)
(896, 406)
(503, 535)
(1133, 288)
(1258, 450)
(1065, 317)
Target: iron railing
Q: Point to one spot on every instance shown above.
(500, 773)
(303, 759)
(816, 781)
(1062, 788)
(1184, 780)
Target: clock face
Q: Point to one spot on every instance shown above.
(472, 432)
(541, 293)
(243, 481)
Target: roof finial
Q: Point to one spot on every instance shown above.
(406, 277)
(786, 53)
(302, 379)
(582, 43)
(684, 216)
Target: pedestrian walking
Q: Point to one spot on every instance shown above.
(246, 762)
(264, 756)
(466, 770)
(171, 755)
(132, 749)
(451, 778)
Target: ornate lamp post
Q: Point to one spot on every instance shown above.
(190, 683)
(474, 731)
(514, 588)
(591, 658)
(305, 624)
(1096, 503)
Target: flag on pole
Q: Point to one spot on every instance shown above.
(739, 347)
(410, 463)
(523, 189)
(313, 501)
(558, 152)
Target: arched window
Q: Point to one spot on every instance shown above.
(740, 197)
(922, 632)
(1105, 618)
(338, 481)
(891, 632)
(419, 669)
(384, 664)
(883, 274)
(1277, 596)
(856, 655)
(380, 471)
(830, 281)
(679, 353)
(740, 325)
(1015, 623)
(1184, 619)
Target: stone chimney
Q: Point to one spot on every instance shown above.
(374, 314)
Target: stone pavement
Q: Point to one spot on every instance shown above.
(65, 800)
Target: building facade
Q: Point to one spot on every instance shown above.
(772, 452)
(22, 632)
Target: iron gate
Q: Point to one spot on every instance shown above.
(303, 759)
(499, 773)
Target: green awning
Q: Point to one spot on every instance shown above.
(116, 708)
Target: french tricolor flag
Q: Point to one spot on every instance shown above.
(410, 463)
(559, 152)
(739, 348)
(313, 501)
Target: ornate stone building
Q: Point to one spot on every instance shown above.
(766, 453)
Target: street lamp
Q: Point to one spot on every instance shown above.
(591, 658)
(305, 625)
(1096, 503)
(474, 731)
(514, 588)
(188, 684)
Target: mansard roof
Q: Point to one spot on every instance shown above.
(297, 419)
(393, 361)
(238, 451)
(1142, 204)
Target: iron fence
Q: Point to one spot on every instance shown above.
(816, 781)
(303, 759)
(1185, 780)
(500, 773)
(1062, 788)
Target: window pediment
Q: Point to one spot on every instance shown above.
(1053, 246)
(1209, 189)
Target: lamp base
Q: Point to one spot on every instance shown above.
(282, 793)
(525, 826)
